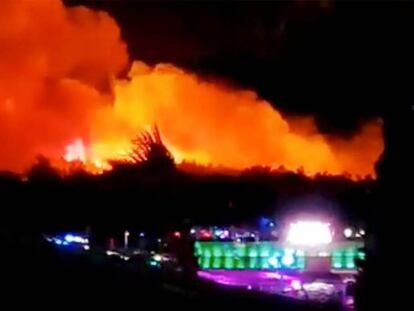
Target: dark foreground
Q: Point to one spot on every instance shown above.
(37, 275)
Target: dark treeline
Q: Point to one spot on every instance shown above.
(162, 196)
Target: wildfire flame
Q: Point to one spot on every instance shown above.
(61, 95)
(75, 151)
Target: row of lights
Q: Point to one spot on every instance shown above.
(70, 239)
(351, 233)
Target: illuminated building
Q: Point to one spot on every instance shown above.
(306, 246)
(268, 255)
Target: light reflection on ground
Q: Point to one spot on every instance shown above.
(299, 286)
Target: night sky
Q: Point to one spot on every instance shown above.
(344, 62)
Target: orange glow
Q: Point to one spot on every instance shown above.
(75, 151)
(61, 95)
(206, 122)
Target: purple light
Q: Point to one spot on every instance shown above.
(222, 234)
(254, 278)
(270, 282)
(309, 233)
(296, 285)
(273, 275)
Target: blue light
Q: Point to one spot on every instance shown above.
(154, 263)
(58, 242)
(142, 234)
(69, 238)
(264, 222)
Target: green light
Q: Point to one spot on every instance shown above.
(229, 263)
(337, 260)
(301, 262)
(300, 259)
(255, 255)
(207, 252)
(361, 255)
(350, 259)
(205, 263)
(264, 250)
(154, 263)
(217, 262)
(350, 265)
(252, 251)
(240, 250)
(217, 251)
(240, 264)
(228, 251)
(253, 263)
(197, 249)
(264, 264)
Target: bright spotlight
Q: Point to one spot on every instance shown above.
(348, 232)
(296, 285)
(157, 257)
(288, 260)
(309, 233)
(79, 239)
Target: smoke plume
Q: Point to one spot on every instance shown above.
(62, 95)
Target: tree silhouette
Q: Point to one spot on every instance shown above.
(42, 170)
(148, 149)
